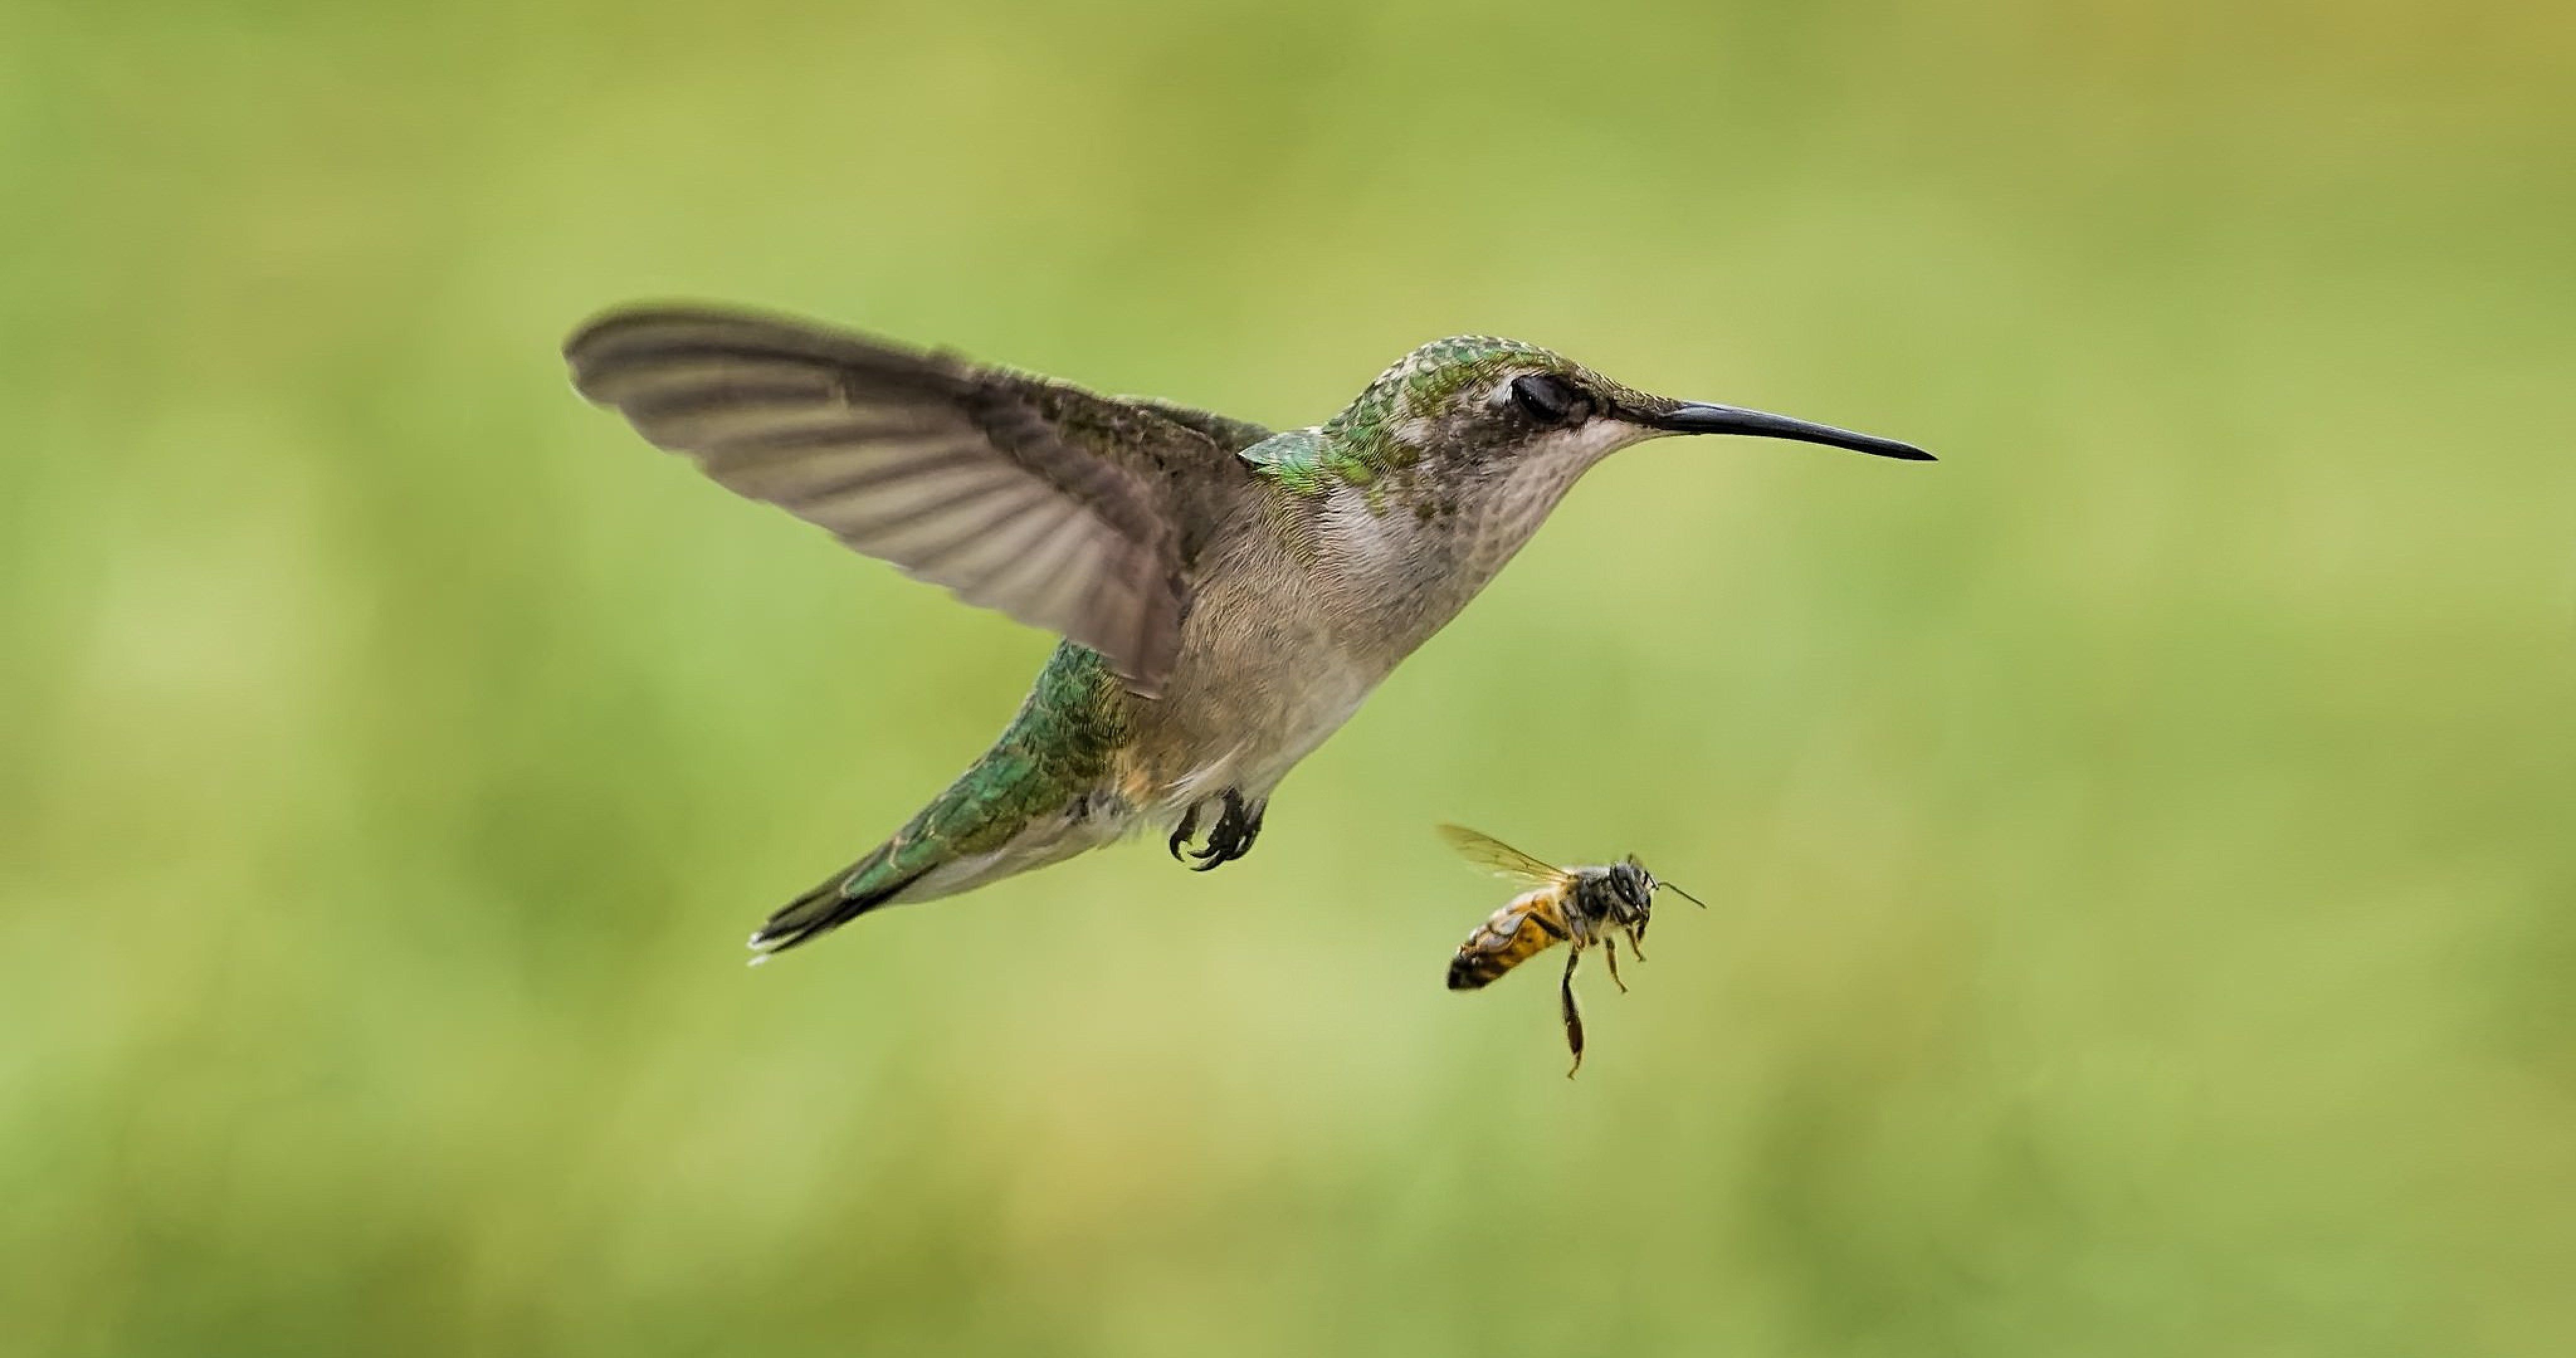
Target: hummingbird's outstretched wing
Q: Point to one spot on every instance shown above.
(1068, 510)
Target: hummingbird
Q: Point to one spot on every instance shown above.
(1227, 595)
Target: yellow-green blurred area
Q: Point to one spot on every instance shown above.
(2142, 847)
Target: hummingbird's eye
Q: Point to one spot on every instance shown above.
(1549, 399)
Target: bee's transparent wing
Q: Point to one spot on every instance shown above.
(1501, 859)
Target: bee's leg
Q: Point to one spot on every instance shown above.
(1610, 954)
(1633, 948)
(1573, 1014)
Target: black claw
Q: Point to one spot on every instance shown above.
(1225, 842)
(1237, 825)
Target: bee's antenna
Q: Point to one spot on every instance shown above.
(1681, 893)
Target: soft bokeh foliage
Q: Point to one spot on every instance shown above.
(2140, 845)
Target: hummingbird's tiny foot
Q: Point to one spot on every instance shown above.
(1232, 835)
(1224, 836)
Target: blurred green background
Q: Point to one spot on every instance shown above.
(2141, 845)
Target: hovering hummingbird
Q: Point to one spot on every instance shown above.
(1228, 596)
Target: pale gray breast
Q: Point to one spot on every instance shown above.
(1263, 675)
(1399, 574)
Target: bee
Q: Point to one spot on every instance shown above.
(1576, 906)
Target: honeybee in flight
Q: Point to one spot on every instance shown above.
(1576, 906)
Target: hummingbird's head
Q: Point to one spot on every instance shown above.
(1485, 399)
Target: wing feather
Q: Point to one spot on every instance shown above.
(1062, 508)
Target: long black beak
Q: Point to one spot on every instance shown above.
(1695, 417)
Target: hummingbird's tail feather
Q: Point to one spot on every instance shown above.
(840, 898)
(1039, 795)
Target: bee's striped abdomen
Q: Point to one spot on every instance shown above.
(1508, 938)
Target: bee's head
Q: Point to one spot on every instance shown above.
(1633, 886)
